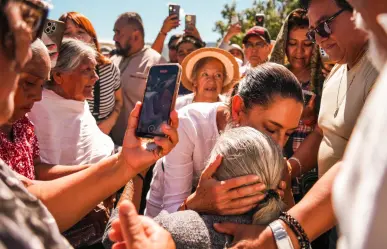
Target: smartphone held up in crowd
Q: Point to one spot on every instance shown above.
(190, 22)
(174, 9)
(159, 99)
(52, 37)
(260, 20)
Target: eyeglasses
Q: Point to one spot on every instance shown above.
(255, 45)
(323, 29)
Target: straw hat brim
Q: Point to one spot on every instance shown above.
(227, 59)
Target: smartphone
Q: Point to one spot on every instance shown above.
(260, 20)
(159, 99)
(307, 96)
(190, 21)
(52, 37)
(234, 20)
(174, 9)
(325, 57)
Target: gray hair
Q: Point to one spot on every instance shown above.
(247, 151)
(71, 54)
(39, 53)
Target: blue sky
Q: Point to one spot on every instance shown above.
(103, 14)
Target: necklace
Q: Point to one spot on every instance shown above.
(345, 95)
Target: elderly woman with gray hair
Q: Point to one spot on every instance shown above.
(66, 130)
(245, 151)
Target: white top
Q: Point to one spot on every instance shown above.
(67, 132)
(360, 189)
(347, 90)
(183, 167)
(188, 99)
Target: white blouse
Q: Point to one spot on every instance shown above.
(67, 132)
(188, 99)
(183, 166)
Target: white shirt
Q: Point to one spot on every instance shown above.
(183, 167)
(360, 189)
(188, 99)
(67, 132)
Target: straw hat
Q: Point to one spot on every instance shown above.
(227, 59)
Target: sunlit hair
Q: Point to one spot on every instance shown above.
(84, 23)
(71, 55)
(246, 151)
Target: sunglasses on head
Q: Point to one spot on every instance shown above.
(323, 29)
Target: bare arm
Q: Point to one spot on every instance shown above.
(46, 172)
(107, 125)
(71, 197)
(232, 31)
(307, 153)
(169, 24)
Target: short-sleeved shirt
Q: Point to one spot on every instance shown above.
(345, 92)
(134, 70)
(20, 153)
(109, 82)
(360, 189)
(25, 223)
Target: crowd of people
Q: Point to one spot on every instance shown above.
(271, 144)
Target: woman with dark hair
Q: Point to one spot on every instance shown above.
(302, 58)
(268, 99)
(107, 100)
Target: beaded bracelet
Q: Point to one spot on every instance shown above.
(302, 237)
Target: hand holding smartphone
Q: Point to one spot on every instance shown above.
(159, 99)
(260, 20)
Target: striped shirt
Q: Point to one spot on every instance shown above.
(110, 82)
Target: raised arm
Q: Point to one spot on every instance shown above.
(171, 22)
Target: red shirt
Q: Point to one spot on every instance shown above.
(20, 153)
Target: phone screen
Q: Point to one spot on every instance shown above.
(160, 93)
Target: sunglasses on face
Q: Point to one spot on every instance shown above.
(323, 29)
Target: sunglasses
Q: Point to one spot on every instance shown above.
(323, 29)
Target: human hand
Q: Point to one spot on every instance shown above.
(132, 231)
(134, 149)
(326, 69)
(232, 31)
(228, 197)
(193, 31)
(171, 22)
(248, 236)
(309, 116)
(106, 126)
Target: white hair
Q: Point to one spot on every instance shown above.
(247, 151)
(72, 53)
(39, 52)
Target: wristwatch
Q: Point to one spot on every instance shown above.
(280, 235)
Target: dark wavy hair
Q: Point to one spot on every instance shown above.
(298, 19)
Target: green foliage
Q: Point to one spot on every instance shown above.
(275, 12)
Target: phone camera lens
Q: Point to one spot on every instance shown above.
(53, 28)
(49, 24)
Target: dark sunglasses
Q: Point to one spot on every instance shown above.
(323, 29)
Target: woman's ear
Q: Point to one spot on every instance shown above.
(58, 78)
(237, 108)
